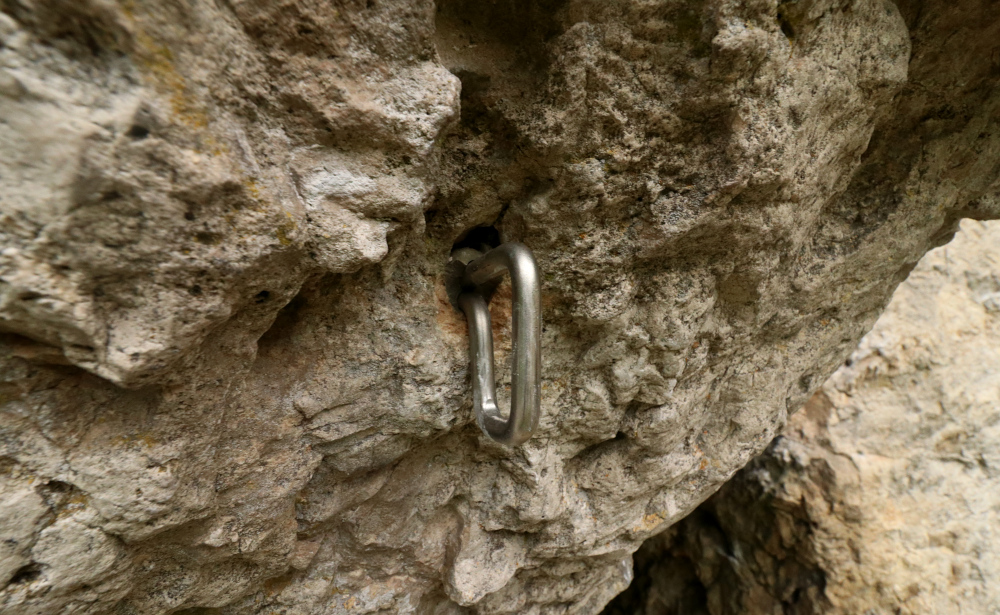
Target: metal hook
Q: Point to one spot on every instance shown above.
(525, 399)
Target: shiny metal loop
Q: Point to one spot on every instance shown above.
(526, 376)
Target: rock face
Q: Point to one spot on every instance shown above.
(232, 380)
(881, 495)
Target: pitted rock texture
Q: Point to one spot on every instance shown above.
(881, 495)
(232, 381)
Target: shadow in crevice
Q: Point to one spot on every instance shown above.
(285, 321)
(25, 574)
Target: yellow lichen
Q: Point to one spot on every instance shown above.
(157, 62)
(284, 233)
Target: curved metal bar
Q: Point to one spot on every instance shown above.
(526, 376)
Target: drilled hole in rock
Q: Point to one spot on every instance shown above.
(262, 296)
(195, 290)
(138, 132)
(482, 238)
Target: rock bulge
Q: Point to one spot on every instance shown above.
(231, 376)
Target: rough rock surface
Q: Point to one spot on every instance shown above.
(882, 494)
(231, 378)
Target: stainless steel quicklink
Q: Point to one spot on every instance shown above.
(526, 376)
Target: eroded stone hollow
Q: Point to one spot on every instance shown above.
(231, 376)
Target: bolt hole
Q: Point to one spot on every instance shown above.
(138, 132)
(262, 296)
(482, 238)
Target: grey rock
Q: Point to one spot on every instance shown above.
(230, 369)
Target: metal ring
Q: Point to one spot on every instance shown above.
(526, 376)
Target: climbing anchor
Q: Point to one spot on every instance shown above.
(480, 271)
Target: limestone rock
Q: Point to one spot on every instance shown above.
(881, 495)
(230, 371)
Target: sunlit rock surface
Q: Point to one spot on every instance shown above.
(882, 494)
(232, 380)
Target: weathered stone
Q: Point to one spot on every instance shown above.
(225, 228)
(881, 495)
